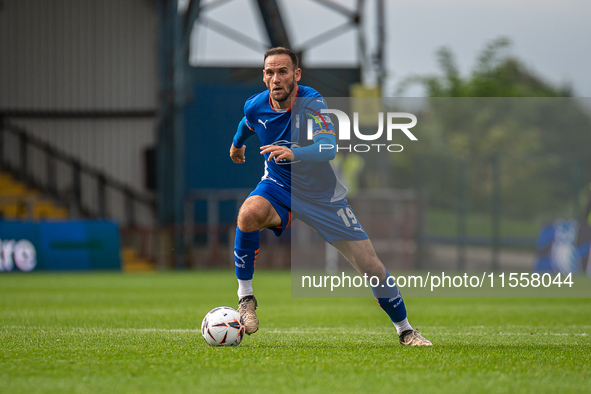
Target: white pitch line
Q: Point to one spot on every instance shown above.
(97, 329)
(583, 334)
(307, 331)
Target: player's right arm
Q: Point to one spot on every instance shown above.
(237, 149)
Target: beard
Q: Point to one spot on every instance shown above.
(287, 89)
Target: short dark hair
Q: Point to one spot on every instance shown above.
(283, 51)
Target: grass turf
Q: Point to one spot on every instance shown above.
(113, 332)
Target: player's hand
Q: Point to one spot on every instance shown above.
(237, 154)
(277, 153)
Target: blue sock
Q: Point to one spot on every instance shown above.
(390, 300)
(246, 249)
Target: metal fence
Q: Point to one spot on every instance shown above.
(391, 218)
(85, 190)
(490, 210)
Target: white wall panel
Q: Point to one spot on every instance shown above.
(78, 54)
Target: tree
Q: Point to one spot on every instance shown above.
(495, 74)
(502, 112)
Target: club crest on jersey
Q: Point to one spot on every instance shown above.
(322, 121)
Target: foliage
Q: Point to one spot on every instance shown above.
(495, 74)
(501, 120)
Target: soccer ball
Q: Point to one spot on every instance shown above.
(222, 326)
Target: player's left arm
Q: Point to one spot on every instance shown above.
(324, 148)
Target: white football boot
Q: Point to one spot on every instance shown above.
(413, 338)
(246, 307)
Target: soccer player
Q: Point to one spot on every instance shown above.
(312, 194)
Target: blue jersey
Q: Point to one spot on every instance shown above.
(289, 128)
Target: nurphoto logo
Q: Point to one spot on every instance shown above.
(344, 131)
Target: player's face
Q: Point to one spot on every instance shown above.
(280, 77)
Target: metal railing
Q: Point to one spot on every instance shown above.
(88, 192)
(212, 228)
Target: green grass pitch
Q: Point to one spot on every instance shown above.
(139, 333)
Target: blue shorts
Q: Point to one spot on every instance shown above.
(334, 221)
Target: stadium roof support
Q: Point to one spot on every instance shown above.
(369, 60)
(274, 23)
(174, 67)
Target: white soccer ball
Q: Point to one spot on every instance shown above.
(222, 326)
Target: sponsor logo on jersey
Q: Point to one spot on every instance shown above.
(287, 144)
